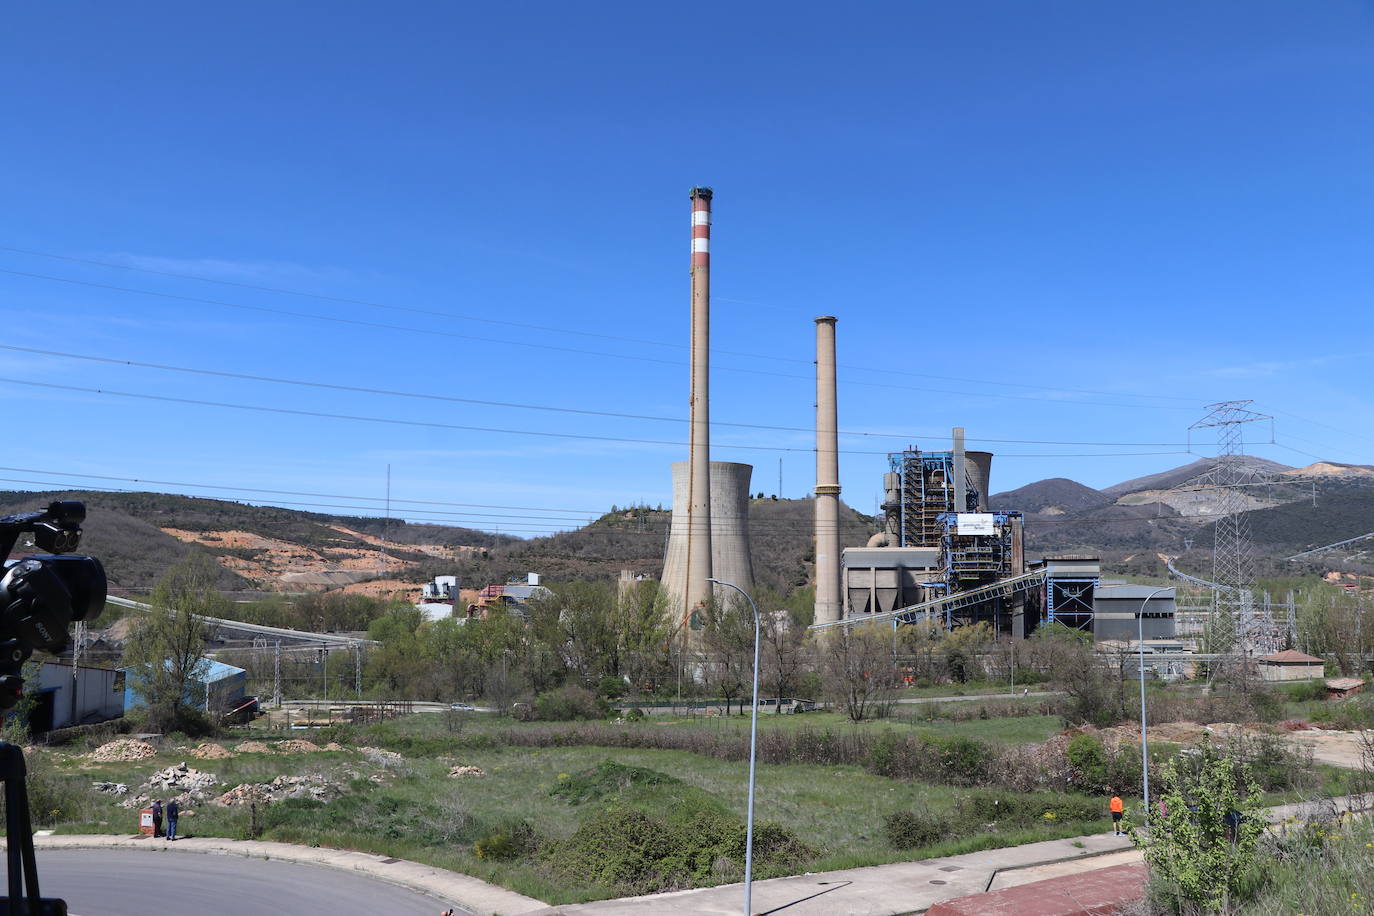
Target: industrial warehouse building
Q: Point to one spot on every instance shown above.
(219, 687)
(65, 696)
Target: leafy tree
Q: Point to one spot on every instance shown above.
(165, 653)
(1202, 846)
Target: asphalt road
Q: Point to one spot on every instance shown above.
(124, 882)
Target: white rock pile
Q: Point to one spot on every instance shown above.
(122, 749)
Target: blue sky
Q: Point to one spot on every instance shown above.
(1048, 223)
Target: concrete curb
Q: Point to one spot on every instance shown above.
(447, 887)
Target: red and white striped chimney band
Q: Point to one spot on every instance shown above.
(701, 232)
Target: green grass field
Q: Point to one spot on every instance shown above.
(419, 813)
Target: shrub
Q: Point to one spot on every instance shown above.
(569, 703)
(1088, 757)
(1022, 809)
(1196, 859)
(510, 840)
(1305, 691)
(624, 849)
(612, 688)
(606, 778)
(910, 829)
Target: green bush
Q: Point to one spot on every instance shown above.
(1024, 809)
(910, 829)
(952, 759)
(607, 778)
(625, 850)
(570, 703)
(1087, 756)
(612, 688)
(1306, 691)
(510, 840)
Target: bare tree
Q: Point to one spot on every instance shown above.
(861, 673)
(783, 654)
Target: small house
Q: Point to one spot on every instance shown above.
(1290, 665)
(1340, 687)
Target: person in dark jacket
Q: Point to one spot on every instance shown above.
(157, 817)
(172, 812)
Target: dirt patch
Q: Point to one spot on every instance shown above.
(458, 771)
(1342, 749)
(253, 747)
(1177, 732)
(333, 746)
(212, 752)
(297, 746)
(123, 749)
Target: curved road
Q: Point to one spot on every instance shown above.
(125, 882)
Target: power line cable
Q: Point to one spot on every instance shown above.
(432, 332)
(558, 330)
(430, 424)
(334, 386)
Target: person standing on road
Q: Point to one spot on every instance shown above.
(1118, 808)
(172, 812)
(157, 818)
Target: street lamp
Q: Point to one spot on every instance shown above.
(1144, 745)
(753, 747)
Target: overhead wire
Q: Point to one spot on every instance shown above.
(552, 329)
(418, 395)
(432, 424)
(432, 332)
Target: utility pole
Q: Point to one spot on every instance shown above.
(358, 669)
(276, 676)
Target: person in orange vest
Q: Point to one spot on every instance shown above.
(1118, 808)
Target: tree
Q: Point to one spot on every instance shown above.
(165, 653)
(729, 641)
(861, 673)
(1202, 848)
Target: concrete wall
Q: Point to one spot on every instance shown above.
(730, 557)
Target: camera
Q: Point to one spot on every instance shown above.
(41, 595)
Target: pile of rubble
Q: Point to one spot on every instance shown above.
(111, 788)
(333, 746)
(313, 787)
(212, 752)
(188, 786)
(380, 755)
(252, 747)
(297, 746)
(458, 771)
(123, 749)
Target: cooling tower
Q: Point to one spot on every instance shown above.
(978, 467)
(730, 559)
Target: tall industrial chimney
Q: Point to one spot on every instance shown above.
(827, 476)
(959, 495)
(698, 590)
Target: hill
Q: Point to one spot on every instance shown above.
(1055, 496)
(138, 536)
(635, 539)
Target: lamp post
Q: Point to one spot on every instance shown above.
(1144, 745)
(753, 747)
